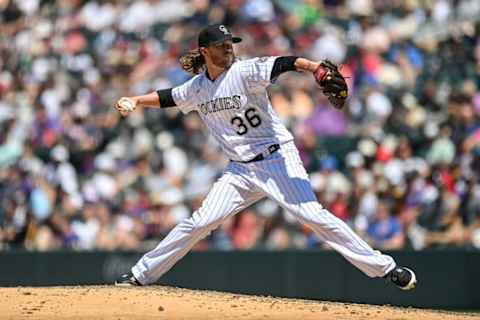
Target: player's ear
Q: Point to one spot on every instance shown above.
(203, 51)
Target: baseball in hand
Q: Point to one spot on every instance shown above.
(125, 105)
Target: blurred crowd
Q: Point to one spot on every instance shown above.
(401, 164)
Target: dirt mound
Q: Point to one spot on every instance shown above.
(158, 302)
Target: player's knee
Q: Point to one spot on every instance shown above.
(201, 223)
(316, 215)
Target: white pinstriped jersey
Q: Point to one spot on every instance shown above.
(235, 108)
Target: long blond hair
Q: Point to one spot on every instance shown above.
(193, 62)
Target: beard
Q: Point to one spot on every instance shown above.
(224, 61)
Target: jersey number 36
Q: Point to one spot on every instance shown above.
(251, 117)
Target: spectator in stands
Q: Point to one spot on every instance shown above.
(76, 175)
(384, 230)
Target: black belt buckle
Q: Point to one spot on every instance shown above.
(273, 148)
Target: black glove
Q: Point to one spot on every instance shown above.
(332, 83)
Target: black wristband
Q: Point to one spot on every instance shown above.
(281, 65)
(165, 98)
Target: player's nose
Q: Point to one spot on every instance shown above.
(227, 47)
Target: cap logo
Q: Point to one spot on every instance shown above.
(224, 29)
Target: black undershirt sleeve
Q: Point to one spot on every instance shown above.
(166, 99)
(281, 65)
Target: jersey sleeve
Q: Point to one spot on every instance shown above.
(183, 96)
(257, 72)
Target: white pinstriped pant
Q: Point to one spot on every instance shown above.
(282, 178)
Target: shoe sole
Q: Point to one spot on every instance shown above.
(125, 285)
(413, 281)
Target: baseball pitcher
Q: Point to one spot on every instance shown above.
(230, 97)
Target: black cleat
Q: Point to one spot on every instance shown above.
(127, 280)
(403, 278)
